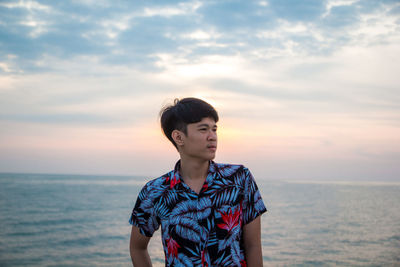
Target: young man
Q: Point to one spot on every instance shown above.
(208, 212)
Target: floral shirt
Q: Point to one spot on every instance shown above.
(202, 229)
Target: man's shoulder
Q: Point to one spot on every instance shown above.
(157, 182)
(228, 169)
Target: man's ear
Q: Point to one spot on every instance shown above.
(177, 136)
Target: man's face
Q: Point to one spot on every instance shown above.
(201, 139)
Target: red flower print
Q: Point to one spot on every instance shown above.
(205, 186)
(172, 247)
(203, 259)
(243, 263)
(174, 181)
(230, 220)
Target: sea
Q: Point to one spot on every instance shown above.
(82, 220)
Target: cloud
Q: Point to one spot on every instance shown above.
(186, 9)
(311, 79)
(142, 45)
(4, 67)
(132, 34)
(201, 35)
(29, 5)
(337, 3)
(32, 19)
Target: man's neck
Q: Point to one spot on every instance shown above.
(194, 169)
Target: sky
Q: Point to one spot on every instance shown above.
(305, 90)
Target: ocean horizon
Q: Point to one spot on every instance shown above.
(82, 220)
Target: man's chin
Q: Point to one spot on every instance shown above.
(204, 156)
(212, 156)
(209, 156)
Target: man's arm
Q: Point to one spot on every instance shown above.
(252, 243)
(138, 248)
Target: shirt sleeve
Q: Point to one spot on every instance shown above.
(143, 214)
(253, 205)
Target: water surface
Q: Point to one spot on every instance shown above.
(75, 220)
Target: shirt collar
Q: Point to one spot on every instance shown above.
(212, 170)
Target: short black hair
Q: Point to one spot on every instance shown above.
(183, 112)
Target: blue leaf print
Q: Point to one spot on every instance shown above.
(143, 193)
(219, 260)
(184, 193)
(203, 208)
(152, 224)
(239, 181)
(193, 209)
(195, 256)
(165, 234)
(234, 235)
(250, 186)
(210, 223)
(218, 184)
(188, 228)
(170, 197)
(170, 260)
(205, 259)
(259, 204)
(146, 226)
(147, 204)
(227, 261)
(185, 208)
(162, 209)
(180, 261)
(226, 196)
(212, 238)
(235, 253)
(195, 253)
(150, 193)
(183, 260)
(227, 170)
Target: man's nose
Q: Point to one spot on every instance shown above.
(212, 135)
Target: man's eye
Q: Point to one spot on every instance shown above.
(203, 129)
